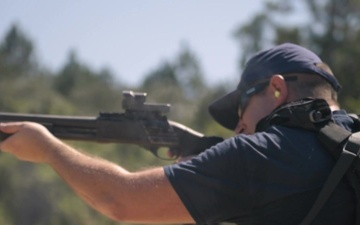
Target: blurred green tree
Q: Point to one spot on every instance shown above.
(90, 90)
(16, 54)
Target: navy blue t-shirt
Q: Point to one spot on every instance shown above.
(271, 177)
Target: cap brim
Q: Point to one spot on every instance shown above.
(225, 110)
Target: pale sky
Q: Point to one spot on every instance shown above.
(132, 37)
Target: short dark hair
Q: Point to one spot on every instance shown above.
(308, 85)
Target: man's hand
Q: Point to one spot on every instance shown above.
(28, 141)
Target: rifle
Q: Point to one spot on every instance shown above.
(141, 123)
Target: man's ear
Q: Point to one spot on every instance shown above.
(279, 89)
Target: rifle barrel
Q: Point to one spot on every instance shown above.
(64, 127)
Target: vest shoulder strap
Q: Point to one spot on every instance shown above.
(347, 156)
(333, 137)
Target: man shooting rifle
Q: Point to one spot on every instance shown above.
(260, 176)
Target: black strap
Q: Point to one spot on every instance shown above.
(349, 153)
(333, 137)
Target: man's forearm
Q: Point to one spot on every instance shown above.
(91, 178)
(142, 197)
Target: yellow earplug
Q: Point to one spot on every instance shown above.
(277, 94)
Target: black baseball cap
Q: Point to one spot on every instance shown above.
(281, 59)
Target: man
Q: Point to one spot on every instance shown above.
(269, 176)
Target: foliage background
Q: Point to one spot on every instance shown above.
(35, 195)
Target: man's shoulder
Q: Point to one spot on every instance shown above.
(277, 133)
(283, 144)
